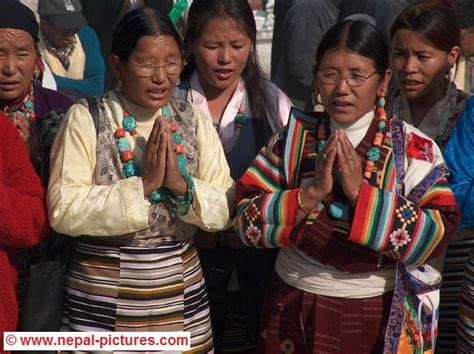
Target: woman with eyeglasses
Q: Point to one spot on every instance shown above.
(426, 46)
(357, 202)
(133, 176)
(224, 80)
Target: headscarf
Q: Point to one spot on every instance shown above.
(14, 14)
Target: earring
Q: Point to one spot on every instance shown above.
(381, 114)
(316, 99)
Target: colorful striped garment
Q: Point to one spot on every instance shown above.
(465, 332)
(391, 222)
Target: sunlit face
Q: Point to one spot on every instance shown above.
(221, 53)
(58, 37)
(154, 91)
(17, 61)
(343, 103)
(419, 67)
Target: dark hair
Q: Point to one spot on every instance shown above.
(137, 24)
(434, 21)
(359, 37)
(200, 14)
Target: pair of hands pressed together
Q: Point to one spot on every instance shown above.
(349, 165)
(160, 162)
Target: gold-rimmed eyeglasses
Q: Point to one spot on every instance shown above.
(332, 77)
(148, 70)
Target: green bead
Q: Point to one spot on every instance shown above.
(122, 144)
(166, 112)
(382, 102)
(240, 119)
(382, 126)
(129, 123)
(130, 169)
(373, 154)
(339, 210)
(181, 163)
(321, 144)
(29, 104)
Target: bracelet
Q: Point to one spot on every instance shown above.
(180, 204)
(300, 204)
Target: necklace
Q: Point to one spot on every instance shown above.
(26, 108)
(180, 204)
(339, 209)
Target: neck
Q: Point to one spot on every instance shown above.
(419, 107)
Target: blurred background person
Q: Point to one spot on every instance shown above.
(71, 48)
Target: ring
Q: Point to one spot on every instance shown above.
(154, 148)
(324, 156)
(350, 157)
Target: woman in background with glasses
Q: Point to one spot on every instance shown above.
(356, 201)
(133, 176)
(224, 80)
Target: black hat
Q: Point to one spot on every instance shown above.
(62, 13)
(13, 14)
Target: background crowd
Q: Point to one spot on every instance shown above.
(165, 179)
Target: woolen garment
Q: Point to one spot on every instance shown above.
(22, 216)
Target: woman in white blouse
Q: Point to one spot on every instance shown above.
(133, 176)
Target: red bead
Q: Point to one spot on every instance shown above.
(173, 127)
(119, 133)
(133, 133)
(179, 149)
(381, 114)
(125, 113)
(367, 174)
(127, 156)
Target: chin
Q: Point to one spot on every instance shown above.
(344, 118)
(10, 95)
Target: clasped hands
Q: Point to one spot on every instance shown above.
(160, 161)
(337, 155)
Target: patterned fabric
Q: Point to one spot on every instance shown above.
(384, 226)
(164, 225)
(138, 289)
(465, 332)
(63, 54)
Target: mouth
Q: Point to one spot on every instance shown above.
(342, 106)
(9, 85)
(412, 85)
(224, 74)
(158, 94)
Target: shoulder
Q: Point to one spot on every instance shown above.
(418, 146)
(52, 99)
(87, 33)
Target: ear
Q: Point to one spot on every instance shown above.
(116, 66)
(383, 87)
(453, 55)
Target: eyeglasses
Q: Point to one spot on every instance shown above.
(331, 77)
(148, 70)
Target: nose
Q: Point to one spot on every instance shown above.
(342, 86)
(410, 65)
(159, 75)
(224, 56)
(9, 66)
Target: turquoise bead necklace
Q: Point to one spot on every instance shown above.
(180, 204)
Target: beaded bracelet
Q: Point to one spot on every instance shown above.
(300, 204)
(180, 204)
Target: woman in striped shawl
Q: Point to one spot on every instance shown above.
(134, 174)
(358, 203)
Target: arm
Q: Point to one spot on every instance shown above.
(22, 208)
(266, 213)
(412, 233)
(78, 207)
(94, 72)
(214, 192)
(460, 161)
